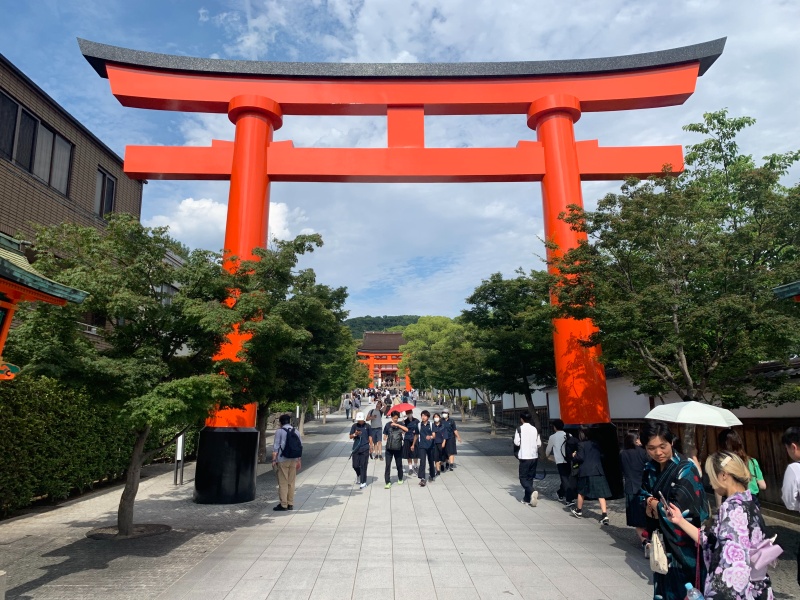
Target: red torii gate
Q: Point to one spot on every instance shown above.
(257, 95)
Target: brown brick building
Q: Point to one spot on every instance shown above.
(53, 169)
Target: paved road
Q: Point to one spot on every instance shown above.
(465, 536)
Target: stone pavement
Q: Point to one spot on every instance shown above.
(465, 536)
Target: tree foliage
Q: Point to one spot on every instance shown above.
(678, 272)
(164, 322)
(512, 321)
(359, 325)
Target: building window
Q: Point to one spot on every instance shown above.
(104, 193)
(33, 145)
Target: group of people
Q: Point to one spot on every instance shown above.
(427, 444)
(666, 497)
(665, 492)
(387, 396)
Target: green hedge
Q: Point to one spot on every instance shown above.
(54, 440)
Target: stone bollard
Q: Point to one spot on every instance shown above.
(2, 585)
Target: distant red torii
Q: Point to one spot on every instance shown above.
(551, 95)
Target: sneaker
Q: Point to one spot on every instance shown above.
(363, 485)
(387, 486)
(290, 507)
(358, 480)
(421, 483)
(400, 482)
(604, 520)
(558, 498)
(578, 514)
(534, 498)
(381, 457)
(280, 508)
(525, 503)
(570, 504)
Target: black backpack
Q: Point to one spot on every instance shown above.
(293, 448)
(569, 446)
(394, 440)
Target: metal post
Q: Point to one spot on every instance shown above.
(179, 462)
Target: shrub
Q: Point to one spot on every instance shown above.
(53, 440)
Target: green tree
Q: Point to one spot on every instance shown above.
(512, 321)
(678, 273)
(164, 322)
(298, 344)
(440, 354)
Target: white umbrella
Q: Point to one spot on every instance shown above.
(696, 413)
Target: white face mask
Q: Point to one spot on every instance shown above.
(436, 419)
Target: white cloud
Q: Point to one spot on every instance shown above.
(201, 223)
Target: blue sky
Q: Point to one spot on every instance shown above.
(406, 248)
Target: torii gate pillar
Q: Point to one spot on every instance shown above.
(581, 378)
(226, 467)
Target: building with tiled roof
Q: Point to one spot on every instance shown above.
(380, 351)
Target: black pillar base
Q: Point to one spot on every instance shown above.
(226, 465)
(605, 434)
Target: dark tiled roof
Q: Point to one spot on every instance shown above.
(787, 291)
(381, 341)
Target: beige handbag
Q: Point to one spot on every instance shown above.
(658, 554)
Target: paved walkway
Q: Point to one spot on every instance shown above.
(465, 536)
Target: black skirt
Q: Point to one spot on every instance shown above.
(450, 444)
(593, 487)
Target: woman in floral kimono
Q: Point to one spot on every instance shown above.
(678, 479)
(728, 543)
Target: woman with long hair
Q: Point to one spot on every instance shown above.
(678, 480)
(728, 440)
(728, 544)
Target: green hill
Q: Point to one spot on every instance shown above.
(358, 325)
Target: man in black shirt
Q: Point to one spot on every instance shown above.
(360, 433)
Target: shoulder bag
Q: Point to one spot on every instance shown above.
(658, 554)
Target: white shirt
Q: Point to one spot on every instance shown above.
(528, 440)
(555, 446)
(791, 487)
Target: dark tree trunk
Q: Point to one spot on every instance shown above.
(125, 512)
(261, 425)
(529, 400)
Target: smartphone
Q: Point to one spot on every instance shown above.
(665, 503)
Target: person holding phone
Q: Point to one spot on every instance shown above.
(361, 434)
(668, 479)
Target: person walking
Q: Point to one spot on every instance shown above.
(790, 490)
(410, 442)
(632, 460)
(676, 478)
(729, 440)
(348, 406)
(451, 441)
(286, 468)
(375, 418)
(727, 546)
(441, 433)
(425, 448)
(527, 438)
(555, 447)
(362, 446)
(393, 434)
(592, 481)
